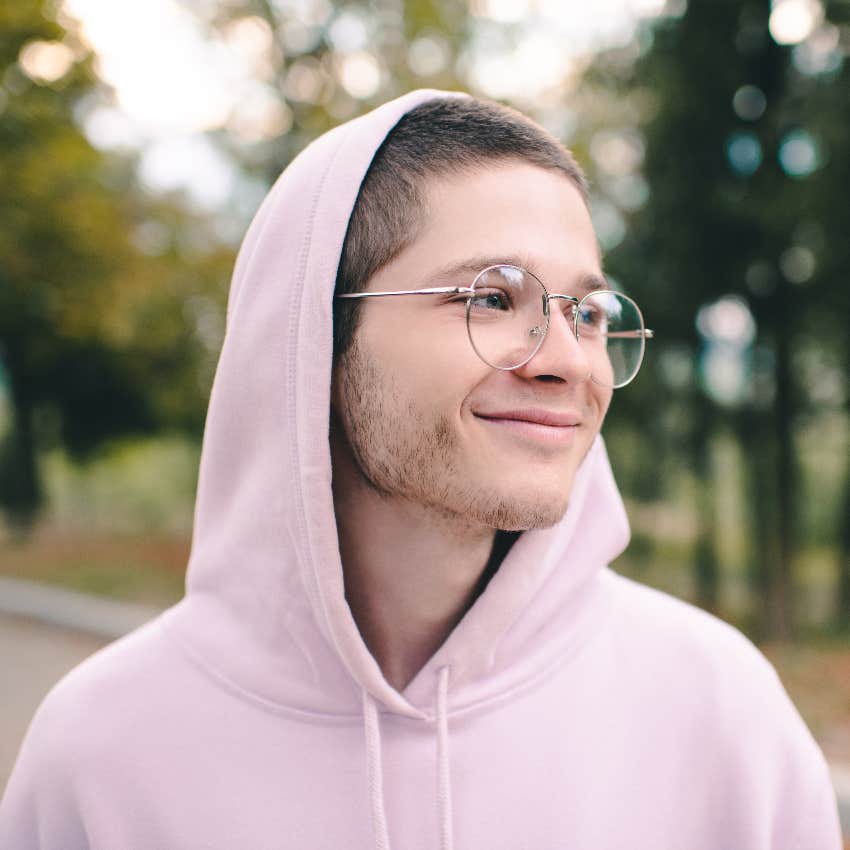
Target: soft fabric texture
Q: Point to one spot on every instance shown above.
(570, 708)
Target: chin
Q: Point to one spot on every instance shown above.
(526, 517)
(522, 508)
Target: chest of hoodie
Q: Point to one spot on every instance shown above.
(539, 770)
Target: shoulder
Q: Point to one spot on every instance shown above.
(681, 629)
(701, 661)
(84, 728)
(706, 674)
(697, 655)
(99, 700)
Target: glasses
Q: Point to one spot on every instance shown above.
(508, 315)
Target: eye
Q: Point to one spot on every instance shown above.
(591, 319)
(490, 299)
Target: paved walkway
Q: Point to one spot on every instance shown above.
(33, 656)
(45, 631)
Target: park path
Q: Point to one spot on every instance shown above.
(33, 656)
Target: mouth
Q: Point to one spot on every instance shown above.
(540, 425)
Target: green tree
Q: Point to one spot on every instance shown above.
(729, 214)
(93, 339)
(327, 62)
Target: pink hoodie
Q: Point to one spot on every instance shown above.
(570, 708)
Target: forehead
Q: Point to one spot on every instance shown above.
(464, 271)
(509, 212)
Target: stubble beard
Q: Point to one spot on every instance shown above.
(404, 451)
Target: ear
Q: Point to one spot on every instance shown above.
(338, 371)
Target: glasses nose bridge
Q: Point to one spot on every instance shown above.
(556, 296)
(572, 361)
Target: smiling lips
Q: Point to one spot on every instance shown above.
(535, 423)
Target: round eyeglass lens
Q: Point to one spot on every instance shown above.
(610, 327)
(507, 316)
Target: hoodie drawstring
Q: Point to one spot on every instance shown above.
(444, 779)
(375, 771)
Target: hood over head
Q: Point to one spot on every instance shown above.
(265, 609)
(550, 720)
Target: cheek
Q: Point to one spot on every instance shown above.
(430, 364)
(439, 388)
(602, 398)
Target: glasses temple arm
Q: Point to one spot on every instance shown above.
(435, 290)
(646, 334)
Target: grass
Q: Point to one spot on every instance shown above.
(131, 568)
(816, 674)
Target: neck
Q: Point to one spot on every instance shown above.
(410, 572)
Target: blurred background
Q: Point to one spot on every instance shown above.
(138, 138)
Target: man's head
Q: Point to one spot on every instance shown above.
(462, 183)
(437, 139)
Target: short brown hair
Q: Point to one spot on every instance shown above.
(437, 138)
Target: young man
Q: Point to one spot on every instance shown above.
(400, 628)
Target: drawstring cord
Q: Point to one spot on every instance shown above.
(375, 771)
(444, 779)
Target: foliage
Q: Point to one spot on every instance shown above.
(112, 301)
(729, 213)
(94, 339)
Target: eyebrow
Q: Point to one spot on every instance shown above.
(470, 267)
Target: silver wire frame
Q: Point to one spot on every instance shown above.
(645, 334)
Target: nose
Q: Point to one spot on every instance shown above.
(561, 355)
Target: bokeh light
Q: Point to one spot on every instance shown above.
(109, 127)
(146, 86)
(428, 55)
(629, 191)
(348, 32)
(727, 320)
(792, 21)
(608, 222)
(797, 264)
(253, 40)
(743, 150)
(360, 74)
(799, 154)
(260, 115)
(165, 164)
(617, 152)
(46, 61)
(504, 11)
(305, 80)
(749, 103)
(728, 329)
(820, 53)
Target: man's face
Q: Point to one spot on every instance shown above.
(428, 421)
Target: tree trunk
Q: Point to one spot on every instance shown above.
(20, 486)
(706, 545)
(842, 613)
(781, 598)
(756, 439)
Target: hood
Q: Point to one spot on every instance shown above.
(265, 610)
